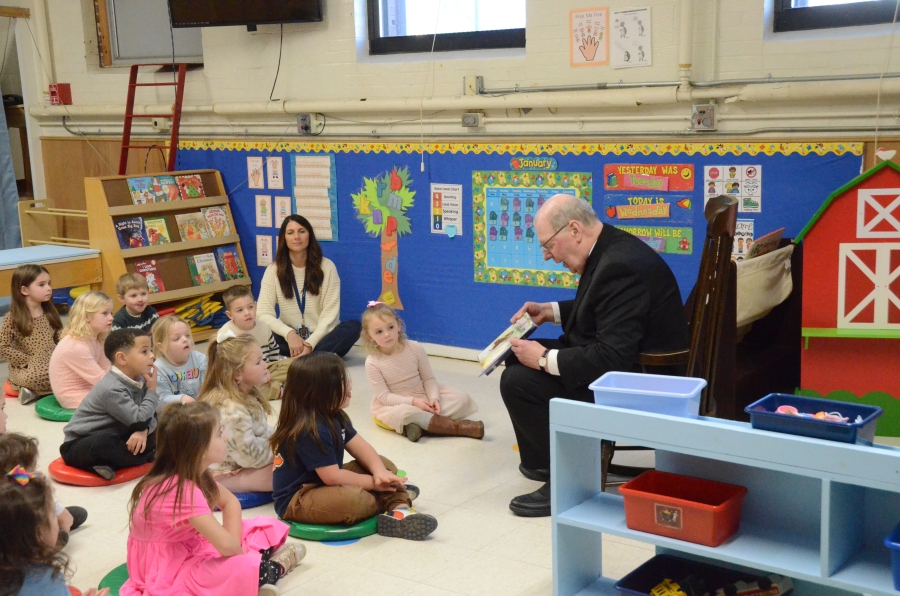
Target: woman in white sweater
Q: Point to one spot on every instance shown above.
(306, 287)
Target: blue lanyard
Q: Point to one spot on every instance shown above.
(301, 302)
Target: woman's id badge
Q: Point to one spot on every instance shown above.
(303, 332)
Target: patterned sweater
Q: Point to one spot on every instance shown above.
(28, 356)
(246, 433)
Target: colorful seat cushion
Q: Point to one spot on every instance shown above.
(64, 474)
(48, 408)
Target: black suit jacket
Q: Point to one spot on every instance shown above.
(627, 302)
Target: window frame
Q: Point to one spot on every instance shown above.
(380, 45)
(788, 18)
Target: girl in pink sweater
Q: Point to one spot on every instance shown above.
(78, 361)
(407, 397)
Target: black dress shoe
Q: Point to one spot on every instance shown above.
(536, 504)
(541, 475)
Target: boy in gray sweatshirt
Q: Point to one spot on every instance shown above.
(114, 427)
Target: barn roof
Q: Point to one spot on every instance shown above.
(868, 173)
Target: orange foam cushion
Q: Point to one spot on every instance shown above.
(60, 472)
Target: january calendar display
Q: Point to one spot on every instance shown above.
(507, 249)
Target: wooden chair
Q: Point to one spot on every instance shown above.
(707, 316)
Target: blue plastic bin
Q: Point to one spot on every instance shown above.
(893, 543)
(763, 416)
(675, 396)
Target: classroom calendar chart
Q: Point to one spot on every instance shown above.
(507, 249)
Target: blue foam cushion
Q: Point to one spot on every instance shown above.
(250, 500)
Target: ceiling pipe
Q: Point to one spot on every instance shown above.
(685, 48)
(592, 86)
(767, 80)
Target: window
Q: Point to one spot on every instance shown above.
(407, 26)
(801, 15)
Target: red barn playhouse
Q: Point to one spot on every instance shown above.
(851, 296)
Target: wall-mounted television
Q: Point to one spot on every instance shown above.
(223, 13)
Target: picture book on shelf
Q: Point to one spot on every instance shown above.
(150, 272)
(500, 348)
(192, 226)
(191, 186)
(141, 190)
(131, 232)
(157, 231)
(217, 219)
(765, 244)
(169, 188)
(229, 262)
(203, 269)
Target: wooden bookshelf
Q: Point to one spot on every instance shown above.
(109, 200)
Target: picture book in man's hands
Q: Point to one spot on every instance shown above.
(501, 348)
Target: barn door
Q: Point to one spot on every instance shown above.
(869, 286)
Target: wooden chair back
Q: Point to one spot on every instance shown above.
(710, 294)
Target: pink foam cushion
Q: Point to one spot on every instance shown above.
(60, 472)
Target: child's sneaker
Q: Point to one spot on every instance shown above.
(105, 472)
(412, 490)
(289, 556)
(413, 432)
(269, 590)
(405, 522)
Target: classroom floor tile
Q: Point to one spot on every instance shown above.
(478, 548)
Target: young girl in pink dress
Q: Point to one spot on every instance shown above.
(407, 397)
(176, 546)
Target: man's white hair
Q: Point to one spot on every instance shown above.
(564, 208)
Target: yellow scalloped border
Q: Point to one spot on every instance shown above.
(749, 148)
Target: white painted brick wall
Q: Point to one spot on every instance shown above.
(320, 60)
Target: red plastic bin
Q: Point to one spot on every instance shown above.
(683, 507)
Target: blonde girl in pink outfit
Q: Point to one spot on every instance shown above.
(176, 546)
(78, 362)
(407, 397)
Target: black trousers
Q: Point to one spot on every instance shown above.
(106, 448)
(338, 341)
(527, 393)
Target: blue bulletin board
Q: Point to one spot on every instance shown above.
(436, 274)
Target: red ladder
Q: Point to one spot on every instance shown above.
(130, 116)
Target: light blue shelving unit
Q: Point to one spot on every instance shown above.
(816, 511)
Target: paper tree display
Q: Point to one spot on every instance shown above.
(381, 206)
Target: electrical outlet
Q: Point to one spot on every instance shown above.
(703, 117)
(162, 124)
(304, 124)
(310, 124)
(473, 119)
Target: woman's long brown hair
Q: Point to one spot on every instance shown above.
(24, 275)
(182, 439)
(24, 515)
(313, 393)
(314, 274)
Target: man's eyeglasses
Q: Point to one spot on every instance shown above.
(544, 244)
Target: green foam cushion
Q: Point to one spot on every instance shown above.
(49, 409)
(320, 533)
(115, 579)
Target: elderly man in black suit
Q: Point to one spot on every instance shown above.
(627, 302)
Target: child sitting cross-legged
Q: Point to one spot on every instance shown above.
(30, 562)
(132, 290)
(176, 546)
(78, 362)
(19, 450)
(241, 309)
(312, 484)
(113, 428)
(30, 332)
(180, 369)
(407, 396)
(236, 371)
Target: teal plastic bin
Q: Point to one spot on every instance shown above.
(674, 396)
